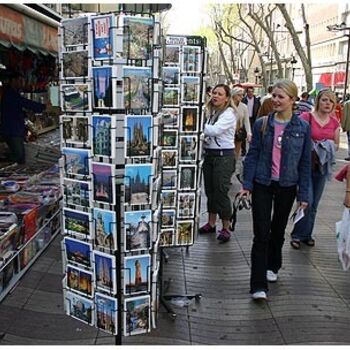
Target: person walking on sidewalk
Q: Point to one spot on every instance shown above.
(277, 169)
(345, 124)
(347, 190)
(325, 131)
(219, 160)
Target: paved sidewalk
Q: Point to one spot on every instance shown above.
(310, 303)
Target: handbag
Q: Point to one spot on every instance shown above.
(315, 160)
(343, 239)
(240, 134)
(239, 203)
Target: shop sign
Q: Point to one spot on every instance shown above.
(11, 25)
(176, 40)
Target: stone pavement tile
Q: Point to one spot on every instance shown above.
(50, 283)
(8, 315)
(47, 302)
(56, 268)
(18, 297)
(42, 264)
(31, 279)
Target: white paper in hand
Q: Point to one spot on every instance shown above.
(298, 215)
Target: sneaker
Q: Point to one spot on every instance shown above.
(260, 295)
(271, 276)
(207, 229)
(224, 235)
(347, 158)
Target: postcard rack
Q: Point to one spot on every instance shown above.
(110, 90)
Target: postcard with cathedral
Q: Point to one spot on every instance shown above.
(191, 59)
(138, 230)
(76, 162)
(168, 198)
(171, 97)
(105, 224)
(102, 37)
(167, 237)
(188, 148)
(75, 97)
(184, 232)
(137, 272)
(74, 32)
(75, 130)
(138, 183)
(79, 307)
(190, 89)
(106, 313)
(77, 252)
(77, 223)
(189, 119)
(103, 144)
(168, 218)
(138, 136)
(79, 280)
(186, 202)
(187, 177)
(105, 272)
(137, 315)
(103, 180)
(77, 193)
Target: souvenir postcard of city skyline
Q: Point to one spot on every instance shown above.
(76, 161)
(103, 87)
(137, 272)
(189, 119)
(75, 31)
(167, 237)
(138, 179)
(75, 64)
(106, 313)
(105, 272)
(187, 180)
(79, 280)
(138, 37)
(137, 315)
(103, 182)
(186, 205)
(184, 232)
(170, 117)
(79, 307)
(103, 127)
(77, 223)
(137, 87)
(190, 89)
(102, 37)
(75, 97)
(171, 75)
(78, 252)
(138, 136)
(77, 193)
(75, 130)
(191, 59)
(171, 97)
(138, 230)
(105, 224)
(188, 148)
(172, 54)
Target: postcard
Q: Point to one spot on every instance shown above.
(188, 148)
(187, 177)
(191, 59)
(184, 232)
(137, 83)
(138, 136)
(171, 75)
(189, 119)
(102, 37)
(138, 182)
(137, 315)
(106, 309)
(75, 130)
(169, 179)
(77, 223)
(105, 223)
(103, 144)
(172, 54)
(75, 64)
(79, 280)
(186, 205)
(138, 230)
(76, 97)
(103, 180)
(169, 138)
(190, 89)
(105, 272)
(77, 252)
(138, 37)
(77, 192)
(76, 161)
(137, 270)
(167, 237)
(169, 158)
(170, 117)
(104, 87)
(168, 198)
(168, 218)
(75, 31)
(171, 97)
(79, 307)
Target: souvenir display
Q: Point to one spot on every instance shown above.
(171, 75)
(77, 223)
(77, 193)
(102, 41)
(105, 224)
(137, 274)
(172, 55)
(189, 119)
(191, 59)
(79, 280)
(75, 97)
(103, 183)
(184, 232)
(75, 31)
(106, 316)
(170, 117)
(75, 130)
(190, 87)
(75, 64)
(171, 97)
(103, 144)
(79, 307)
(104, 91)
(105, 272)
(76, 162)
(137, 315)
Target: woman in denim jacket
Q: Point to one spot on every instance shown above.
(277, 169)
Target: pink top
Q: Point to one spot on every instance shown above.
(277, 148)
(321, 132)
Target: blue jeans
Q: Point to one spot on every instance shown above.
(303, 228)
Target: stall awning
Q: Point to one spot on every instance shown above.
(332, 79)
(24, 32)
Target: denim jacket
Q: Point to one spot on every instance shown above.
(295, 158)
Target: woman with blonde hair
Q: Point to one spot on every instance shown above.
(276, 170)
(325, 131)
(219, 160)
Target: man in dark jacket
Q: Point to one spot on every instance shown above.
(12, 126)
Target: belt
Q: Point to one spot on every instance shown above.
(219, 152)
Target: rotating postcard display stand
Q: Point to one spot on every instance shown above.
(110, 170)
(184, 67)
